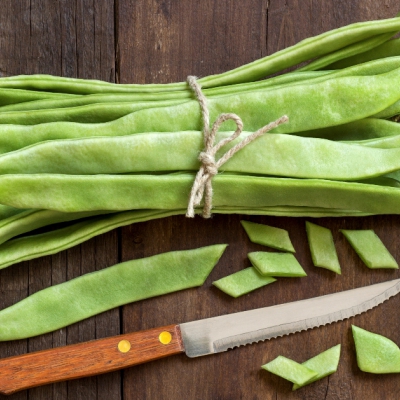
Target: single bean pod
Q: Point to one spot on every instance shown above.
(313, 47)
(388, 49)
(77, 193)
(273, 155)
(348, 51)
(80, 298)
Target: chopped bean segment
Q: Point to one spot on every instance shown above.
(268, 236)
(290, 370)
(370, 248)
(276, 264)
(322, 247)
(324, 364)
(242, 282)
(375, 353)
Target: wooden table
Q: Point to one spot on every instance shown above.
(164, 41)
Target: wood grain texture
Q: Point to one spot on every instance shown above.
(164, 41)
(87, 358)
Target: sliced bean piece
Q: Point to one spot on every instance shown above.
(375, 353)
(90, 294)
(290, 370)
(242, 282)
(268, 236)
(370, 248)
(322, 247)
(276, 264)
(348, 51)
(325, 364)
(76, 193)
(360, 97)
(388, 49)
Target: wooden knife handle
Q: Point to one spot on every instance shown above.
(89, 358)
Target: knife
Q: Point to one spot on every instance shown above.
(197, 338)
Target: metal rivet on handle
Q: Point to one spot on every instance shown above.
(124, 346)
(165, 337)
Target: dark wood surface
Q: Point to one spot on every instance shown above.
(164, 41)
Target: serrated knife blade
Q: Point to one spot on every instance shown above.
(214, 335)
(196, 338)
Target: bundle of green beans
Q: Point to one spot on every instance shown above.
(95, 155)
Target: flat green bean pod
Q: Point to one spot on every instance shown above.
(274, 155)
(348, 51)
(29, 220)
(76, 193)
(316, 46)
(7, 212)
(388, 49)
(344, 100)
(90, 294)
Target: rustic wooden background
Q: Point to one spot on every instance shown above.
(164, 41)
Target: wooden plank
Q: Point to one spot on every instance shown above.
(163, 41)
(73, 39)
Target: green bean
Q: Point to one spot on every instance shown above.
(348, 51)
(322, 247)
(270, 236)
(317, 46)
(389, 112)
(274, 155)
(376, 354)
(30, 220)
(276, 264)
(388, 49)
(242, 282)
(80, 298)
(288, 369)
(20, 96)
(357, 131)
(76, 193)
(176, 95)
(370, 248)
(343, 99)
(325, 363)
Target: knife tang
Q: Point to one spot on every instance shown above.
(89, 358)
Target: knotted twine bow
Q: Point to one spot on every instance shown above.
(209, 167)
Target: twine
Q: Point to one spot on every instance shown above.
(209, 166)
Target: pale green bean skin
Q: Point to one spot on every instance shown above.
(388, 49)
(111, 98)
(20, 96)
(327, 42)
(80, 298)
(77, 193)
(346, 52)
(274, 155)
(343, 99)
